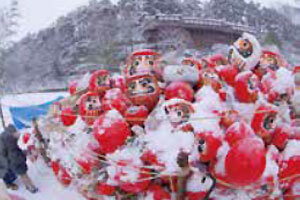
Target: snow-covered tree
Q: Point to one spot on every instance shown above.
(8, 29)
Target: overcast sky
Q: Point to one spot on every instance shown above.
(38, 14)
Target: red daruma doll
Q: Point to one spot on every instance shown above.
(143, 62)
(143, 90)
(90, 107)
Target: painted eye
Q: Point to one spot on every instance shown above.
(179, 113)
(132, 86)
(192, 65)
(94, 101)
(88, 99)
(167, 111)
(136, 63)
(151, 62)
(245, 45)
(264, 187)
(203, 179)
(268, 122)
(201, 142)
(151, 89)
(200, 145)
(250, 84)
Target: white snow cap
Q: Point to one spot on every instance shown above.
(84, 82)
(167, 145)
(285, 81)
(208, 94)
(129, 172)
(272, 167)
(184, 73)
(194, 184)
(221, 156)
(205, 117)
(292, 149)
(110, 117)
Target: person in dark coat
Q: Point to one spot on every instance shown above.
(13, 160)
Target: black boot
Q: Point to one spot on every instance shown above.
(32, 188)
(12, 186)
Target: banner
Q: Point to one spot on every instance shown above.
(22, 116)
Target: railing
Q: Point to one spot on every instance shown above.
(180, 20)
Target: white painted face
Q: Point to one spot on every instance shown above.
(210, 75)
(178, 114)
(142, 86)
(239, 52)
(93, 103)
(140, 63)
(202, 147)
(269, 122)
(103, 80)
(252, 83)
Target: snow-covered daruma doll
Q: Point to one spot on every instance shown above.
(143, 62)
(245, 52)
(209, 77)
(290, 167)
(192, 63)
(175, 73)
(246, 87)
(264, 121)
(271, 60)
(278, 86)
(206, 63)
(208, 145)
(179, 112)
(90, 107)
(100, 81)
(218, 60)
(143, 90)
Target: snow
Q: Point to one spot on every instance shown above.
(291, 149)
(49, 187)
(111, 117)
(84, 82)
(130, 171)
(284, 81)
(272, 167)
(221, 156)
(167, 144)
(181, 73)
(193, 183)
(245, 109)
(206, 116)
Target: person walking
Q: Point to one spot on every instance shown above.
(13, 161)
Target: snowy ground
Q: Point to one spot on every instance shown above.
(43, 177)
(50, 188)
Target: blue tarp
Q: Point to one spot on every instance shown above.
(23, 116)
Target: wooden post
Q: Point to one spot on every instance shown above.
(2, 116)
(42, 142)
(183, 163)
